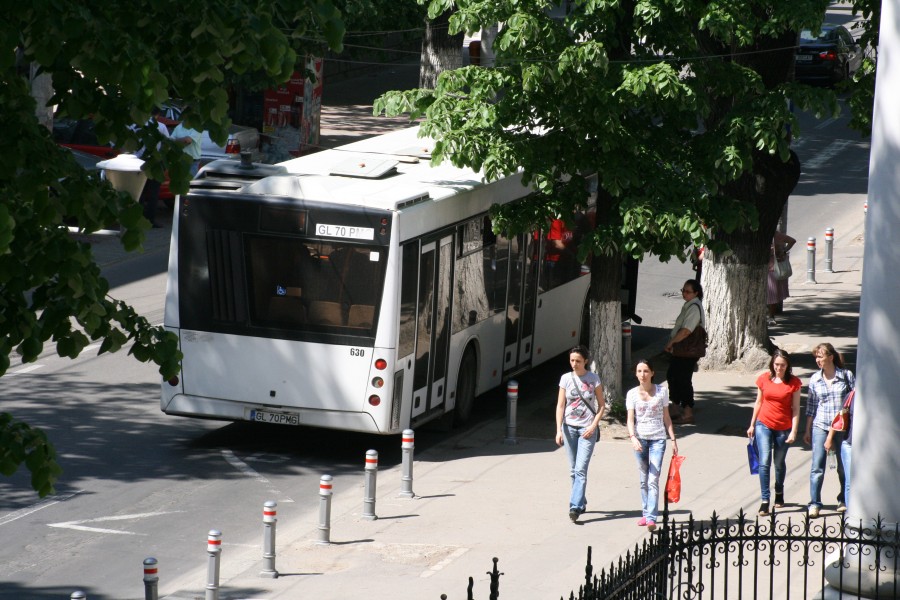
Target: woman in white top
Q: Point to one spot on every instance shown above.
(648, 422)
(579, 408)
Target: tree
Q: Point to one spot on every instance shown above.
(681, 109)
(115, 62)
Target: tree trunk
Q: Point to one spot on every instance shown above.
(606, 323)
(734, 283)
(440, 50)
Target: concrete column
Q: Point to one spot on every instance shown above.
(875, 464)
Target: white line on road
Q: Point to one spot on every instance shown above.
(243, 467)
(24, 370)
(830, 151)
(826, 123)
(45, 503)
(456, 554)
(77, 525)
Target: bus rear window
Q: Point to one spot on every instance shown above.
(314, 285)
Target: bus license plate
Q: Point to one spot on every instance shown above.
(264, 416)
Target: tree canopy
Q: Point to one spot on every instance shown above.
(682, 108)
(113, 62)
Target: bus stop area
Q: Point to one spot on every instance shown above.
(477, 496)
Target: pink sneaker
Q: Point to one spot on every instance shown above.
(651, 525)
(642, 522)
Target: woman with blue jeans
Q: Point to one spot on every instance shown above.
(828, 388)
(648, 421)
(773, 426)
(579, 408)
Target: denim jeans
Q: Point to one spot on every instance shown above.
(845, 460)
(649, 461)
(772, 447)
(817, 469)
(579, 451)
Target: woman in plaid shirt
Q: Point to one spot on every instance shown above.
(828, 388)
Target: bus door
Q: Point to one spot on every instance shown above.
(432, 325)
(520, 302)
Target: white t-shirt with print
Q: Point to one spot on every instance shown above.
(577, 414)
(648, 414)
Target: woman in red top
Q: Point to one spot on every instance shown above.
(776, 416)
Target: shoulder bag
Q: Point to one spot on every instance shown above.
(841, 421)
(694, 345)
(782, 269)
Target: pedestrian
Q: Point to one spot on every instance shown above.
(579, 408)
(828, 388)
(681, 368)
(777, 289)
(190, 140)
(648, 422)
(774, 424)
(846, 438)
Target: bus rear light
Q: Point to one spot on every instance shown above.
(374, 400)
(377, 382)
(232, 147)
(173, 381)
(381, 364)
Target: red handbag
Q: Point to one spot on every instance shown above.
(841, 421)
(673, 483)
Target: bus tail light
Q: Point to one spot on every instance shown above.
(374, 400)
(232, 146)
(377, 382)
(381, 364)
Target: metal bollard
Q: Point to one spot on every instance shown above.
(626, 346)
(829, 249)
(324, 509)
(151, 579)
(269, 521)
(371, 479)
(79, 595)
(407, 445)
(512, 401)
(214, 549)
(811, 260)
(866, 207)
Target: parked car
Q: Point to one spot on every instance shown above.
(830, 57)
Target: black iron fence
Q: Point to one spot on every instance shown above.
(778, 557)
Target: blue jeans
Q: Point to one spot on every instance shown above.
(649, 461)
(579, 451)
(845, 460)
(817, 469)
(772, 447)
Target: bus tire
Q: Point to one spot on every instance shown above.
(465, 388)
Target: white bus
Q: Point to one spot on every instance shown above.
(359, 289)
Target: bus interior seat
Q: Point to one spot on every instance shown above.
(287, 309)
(322, 312)
(361, 315)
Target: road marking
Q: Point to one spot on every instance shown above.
(24, 370)
(830, 151)
(45, 503)
(77, 525)
(428, 573)
(826, 123)
(243, 467)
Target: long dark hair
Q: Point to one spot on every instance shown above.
(779, 353)
(695, 285)
(583, 351)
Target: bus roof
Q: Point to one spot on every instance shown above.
(389, 172)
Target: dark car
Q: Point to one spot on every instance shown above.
(830, 57)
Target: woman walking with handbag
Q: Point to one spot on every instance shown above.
(579, 408)
(777, 284)
(828, 389)
(681, 368)
(648, 422)
(774, 424)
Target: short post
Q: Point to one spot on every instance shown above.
(512, 401)
(270, 512)
(151, 579)
(214, 549)
(811, 260)
(866, 207)
(626, 345)
(407, 446)
(324, 509)
(371, 478)
(79, 595)
(829, 249)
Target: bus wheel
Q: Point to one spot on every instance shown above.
(465, 388)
